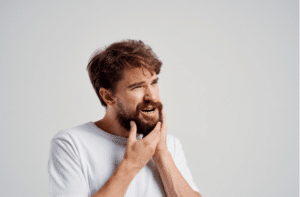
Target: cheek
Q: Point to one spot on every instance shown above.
(157, 94)
(134, 98)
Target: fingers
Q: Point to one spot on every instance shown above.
(132, 133)
(164, 120)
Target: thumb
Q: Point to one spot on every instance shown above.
(132, 133)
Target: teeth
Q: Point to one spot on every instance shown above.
(150, 110)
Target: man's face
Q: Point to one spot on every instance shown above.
(138, 99)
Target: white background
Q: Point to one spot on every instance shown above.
(229, 84)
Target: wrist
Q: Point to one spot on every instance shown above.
(128, 169)
(161, 154)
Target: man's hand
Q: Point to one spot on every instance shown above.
(139, 152)
(162, 148)
(174, 183)
(137, 155)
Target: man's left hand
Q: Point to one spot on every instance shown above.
(161, 147)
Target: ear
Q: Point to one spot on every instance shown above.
(107, 96)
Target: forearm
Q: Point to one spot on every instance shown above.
(173, 181)
(118, 183)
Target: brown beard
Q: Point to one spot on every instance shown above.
(124, 117)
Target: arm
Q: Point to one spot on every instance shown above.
(173, 181)
(137, 155)
(64, 168)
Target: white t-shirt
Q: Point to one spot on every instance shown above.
(83, 158)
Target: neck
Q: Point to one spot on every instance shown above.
(111, 125)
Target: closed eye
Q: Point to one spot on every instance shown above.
(155, 81)
(136, 87)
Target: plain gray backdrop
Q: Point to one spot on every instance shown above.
(229, 84)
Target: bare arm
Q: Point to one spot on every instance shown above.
(173, 181)
(137, 155)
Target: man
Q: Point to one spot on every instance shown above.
(128, 152)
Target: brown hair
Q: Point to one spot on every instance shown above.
(105, 67)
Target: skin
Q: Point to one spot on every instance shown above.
(139, 152)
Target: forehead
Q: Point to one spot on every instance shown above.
(137, 74)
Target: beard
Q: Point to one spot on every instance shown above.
(124, 117)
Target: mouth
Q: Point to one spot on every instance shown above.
(148, 110)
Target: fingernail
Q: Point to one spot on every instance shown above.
(131, 123)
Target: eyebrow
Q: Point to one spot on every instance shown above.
(155, 80)
(136, 84)
(140, 83)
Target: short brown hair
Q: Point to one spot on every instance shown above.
(106, 66)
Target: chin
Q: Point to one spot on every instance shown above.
(145, 129)
(146, 126)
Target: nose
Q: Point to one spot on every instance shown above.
(150, 94)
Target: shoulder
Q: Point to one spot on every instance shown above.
(72, 134)
(173, 144)
(70, 141)
(172, 140)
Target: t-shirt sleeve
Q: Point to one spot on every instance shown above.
(65, 175)
(181, 164)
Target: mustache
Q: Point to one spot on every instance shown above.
(145, 104)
